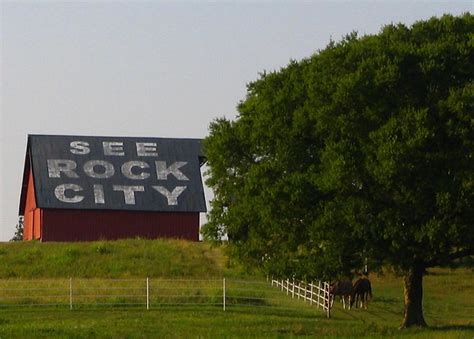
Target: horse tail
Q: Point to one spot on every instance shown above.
(355, 292)
(370, 289)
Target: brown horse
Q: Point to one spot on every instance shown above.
(362, 292)
(342, 288)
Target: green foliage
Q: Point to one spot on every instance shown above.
(18, 236)
(365, 149)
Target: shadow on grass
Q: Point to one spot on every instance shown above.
(358, 315)
(387, 300)
(446, 328)
(375, 314)
(277, 312)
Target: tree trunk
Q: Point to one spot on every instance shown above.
(413, 289)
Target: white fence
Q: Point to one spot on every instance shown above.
(314, 293)
(147, 293)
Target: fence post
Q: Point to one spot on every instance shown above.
(147, 293)
(326, 297)
(311, 294)
(70, 293)
(323, 296)
(282, 285)
(299, 290)
(223, 294)
(319, 293)
(326, 292)
(305, 297)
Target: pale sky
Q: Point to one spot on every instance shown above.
(155, 69)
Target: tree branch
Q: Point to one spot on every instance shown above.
(453, 256)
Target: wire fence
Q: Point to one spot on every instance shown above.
(147, 293)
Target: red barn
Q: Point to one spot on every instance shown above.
(79, 188)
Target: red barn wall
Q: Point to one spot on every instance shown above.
(33, 216)
(87, 225)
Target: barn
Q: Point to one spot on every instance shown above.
(83, 188)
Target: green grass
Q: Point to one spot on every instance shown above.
(212, 322)
(110, 259)
(448, 296)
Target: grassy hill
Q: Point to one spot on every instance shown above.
(110, 259)
(177, 270)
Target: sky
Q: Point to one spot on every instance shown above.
(155, 69)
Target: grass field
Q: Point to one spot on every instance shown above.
(110, 259)
(448, 302)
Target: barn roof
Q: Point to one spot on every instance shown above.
(115, 173)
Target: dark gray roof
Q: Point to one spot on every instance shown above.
(115, 173)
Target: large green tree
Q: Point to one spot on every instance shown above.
(363, 150)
